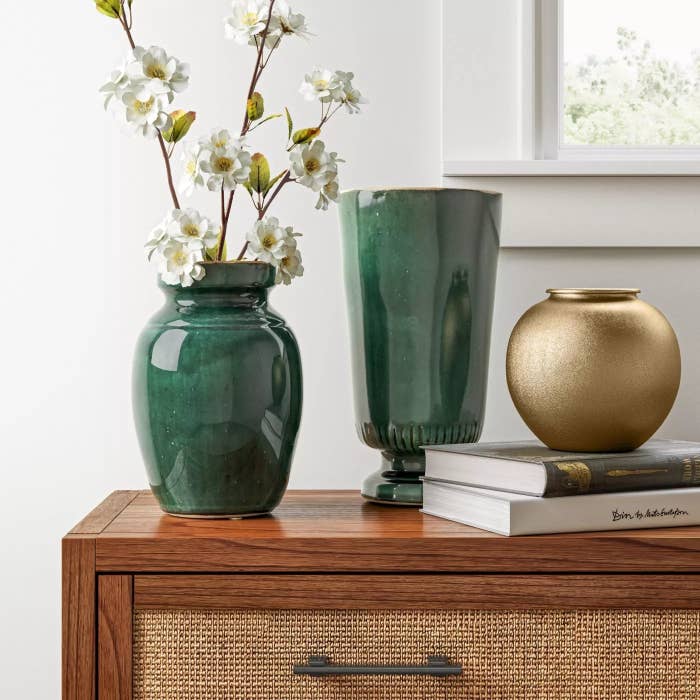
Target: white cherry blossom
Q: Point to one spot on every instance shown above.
(351, 96)
(157, 72)
(322, 84)
(285, 23)
(328, 194)
(225, 165)
(180, 264)
(192, 172)
(246, 21)
(194, 229)
(267, 240)
(313, 166)
(289, 266)
(145, 112)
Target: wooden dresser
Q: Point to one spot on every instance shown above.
(333, 598)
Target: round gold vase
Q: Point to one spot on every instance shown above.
(593, 370)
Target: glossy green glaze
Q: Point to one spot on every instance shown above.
(217, 393)
(420, 271)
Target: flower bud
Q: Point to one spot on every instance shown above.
(305, 135)
(255, 107)
(111, 8)
(181, 123)
(259, 172)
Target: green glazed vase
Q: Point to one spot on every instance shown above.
(420, 271)
(217, 394)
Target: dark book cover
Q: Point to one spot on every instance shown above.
(623, 472)
(658, 464)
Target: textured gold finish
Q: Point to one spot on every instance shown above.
(593, 370)
(506, 655)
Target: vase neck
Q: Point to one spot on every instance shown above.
(585, 294)
(242, 297)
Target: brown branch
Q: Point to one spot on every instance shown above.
(257, 70)
(127, 25)
(161, 142)
(225, 214)
(168, 169)
(262, 211)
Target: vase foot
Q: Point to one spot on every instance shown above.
(193, 516)
(397, 482)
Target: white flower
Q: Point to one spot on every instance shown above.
(267, 240)
(227, 164)
(313, 166)
(142, 87)
(194, 229)
(192, 175)
(351, 97)
(289, 266)
(179, 244)
(181, 264)
(158, 239)
(145, 112)
(116, 86)
(248, 19)
(284, 22)
(156, 72)
(328, 194)
(220, 139)
(322, 84)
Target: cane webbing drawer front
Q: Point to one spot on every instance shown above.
(506, 655)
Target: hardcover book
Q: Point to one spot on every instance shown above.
(532, 469)
(515, 514)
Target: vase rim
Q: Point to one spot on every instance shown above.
(419, 189)
(594, 291)
(231, 274)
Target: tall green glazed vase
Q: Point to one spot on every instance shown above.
(217, 393)
(420, 271)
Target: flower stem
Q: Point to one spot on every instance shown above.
(257, 71)
(225, 214)
(263, 210)
(168, 171)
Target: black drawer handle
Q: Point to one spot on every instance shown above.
(436, 666)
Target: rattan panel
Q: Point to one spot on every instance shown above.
(513, 655)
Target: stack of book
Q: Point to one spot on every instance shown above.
(523, 488)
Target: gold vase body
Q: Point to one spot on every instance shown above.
(593, 370)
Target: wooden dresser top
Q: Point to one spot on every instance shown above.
(337, 531)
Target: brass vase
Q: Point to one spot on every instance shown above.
(593, 370)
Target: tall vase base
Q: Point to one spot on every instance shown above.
(397, 482)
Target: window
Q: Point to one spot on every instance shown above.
(617, 79)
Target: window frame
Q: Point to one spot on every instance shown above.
(544, 24)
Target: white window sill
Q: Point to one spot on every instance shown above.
(571, 168)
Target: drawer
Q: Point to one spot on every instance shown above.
(516, 637)
(506, 655)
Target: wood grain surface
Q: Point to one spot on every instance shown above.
(114, 637)
(447, 591)
(337, 531)
(78, 613)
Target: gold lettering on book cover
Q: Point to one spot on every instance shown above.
(578, 475)
(634, 472)
(691, 470)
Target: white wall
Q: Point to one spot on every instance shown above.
(79, 200)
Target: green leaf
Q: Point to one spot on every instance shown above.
(259, 172)
(305, 135)
(273, 182)
(111, 8)
(255, 106)
(290, 124)
(182, 121)
(267, 119)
